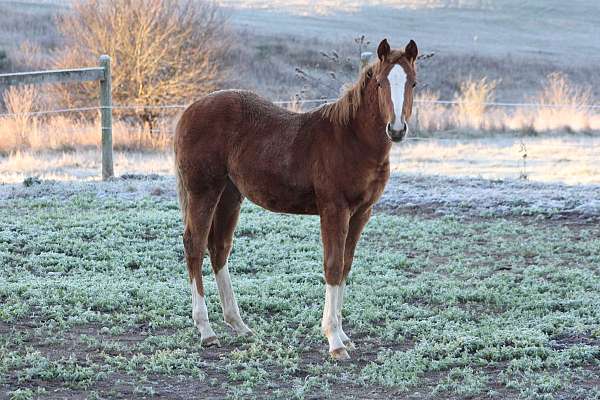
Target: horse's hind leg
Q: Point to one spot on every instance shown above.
(199, 217)
(357, 223)
(220, 241)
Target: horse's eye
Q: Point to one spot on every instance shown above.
(414, 84)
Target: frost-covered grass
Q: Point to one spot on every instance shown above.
(94, 301)
(568, 159)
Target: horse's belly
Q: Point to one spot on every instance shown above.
(290, 206)
(279, 196)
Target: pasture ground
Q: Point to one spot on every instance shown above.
(571, 159)
(95, 303)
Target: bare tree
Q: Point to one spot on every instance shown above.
(163, 51)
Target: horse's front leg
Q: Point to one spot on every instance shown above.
(334, 230)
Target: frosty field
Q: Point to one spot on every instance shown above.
(475, 301)
(570, 159)
(478, 276)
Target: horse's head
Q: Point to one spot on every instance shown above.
(396, 79)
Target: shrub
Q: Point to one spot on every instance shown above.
(163, 51)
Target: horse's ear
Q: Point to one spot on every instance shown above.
(411, 51)
(383, 50)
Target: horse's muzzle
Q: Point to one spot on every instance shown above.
(398, 135)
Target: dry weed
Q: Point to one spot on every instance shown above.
(429, 115)
(18, 128)
(562, 106)
(295, 104)
(470, 112)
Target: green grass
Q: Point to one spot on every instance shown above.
(94, 299)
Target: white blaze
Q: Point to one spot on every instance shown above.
(397, 78)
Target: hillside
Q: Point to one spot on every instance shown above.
(552, 30)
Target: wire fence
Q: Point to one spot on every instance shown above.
(140, 107)
(119, 107)
(439, 136)
(521, 150)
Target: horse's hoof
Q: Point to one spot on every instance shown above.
(211, 341)
(340, 354)
(350, 345)
(246, 332)
(240, 329)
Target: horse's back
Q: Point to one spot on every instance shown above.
(206, 116)
(263, 149)
(236, 115)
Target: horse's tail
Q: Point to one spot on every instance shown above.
(182, 193)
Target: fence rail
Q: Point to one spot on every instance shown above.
(101, 74)
(53, 76)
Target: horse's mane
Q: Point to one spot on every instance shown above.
(344, 109)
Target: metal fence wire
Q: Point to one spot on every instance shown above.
(300, 101)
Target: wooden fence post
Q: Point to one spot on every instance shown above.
(106, 118)
(102, 74)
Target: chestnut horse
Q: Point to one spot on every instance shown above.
(332, 161)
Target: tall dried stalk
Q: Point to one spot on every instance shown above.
(470, 111)
(428, 115)
(17, 128)
(562, 106)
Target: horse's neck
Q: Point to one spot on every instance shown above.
(369, 128)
